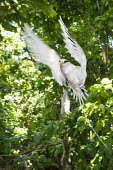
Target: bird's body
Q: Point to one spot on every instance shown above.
(73, 75)
(62, 70)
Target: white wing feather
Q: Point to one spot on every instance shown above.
(73, 47)
(44, 53)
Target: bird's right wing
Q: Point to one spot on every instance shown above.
(72, 46)
(44, 53)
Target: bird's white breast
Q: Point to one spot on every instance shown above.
(71, 73)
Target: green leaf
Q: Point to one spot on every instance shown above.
(81, 119)
(9, 27)
(110, 24)
(44, 6)
(38, 137)
(81, 128)
(4, 11)
(104, 94)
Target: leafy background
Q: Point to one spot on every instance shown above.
(32, 136)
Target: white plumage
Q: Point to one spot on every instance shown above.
(62, 70)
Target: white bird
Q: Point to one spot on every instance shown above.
(63, 71)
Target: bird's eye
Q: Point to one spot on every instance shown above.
(65, 61)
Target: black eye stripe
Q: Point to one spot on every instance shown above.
(65, 61)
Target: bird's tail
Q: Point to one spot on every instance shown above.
(79, 93)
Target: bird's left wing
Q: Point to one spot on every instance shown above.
(44, 53)
(72, 46)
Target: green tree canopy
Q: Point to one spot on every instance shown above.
(32, 136)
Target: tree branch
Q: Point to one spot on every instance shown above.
(90, 26)
(63, 154)
(34, 150)
(98, 4)
(104, 53)
(103, 46)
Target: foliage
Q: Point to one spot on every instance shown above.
(32, 136)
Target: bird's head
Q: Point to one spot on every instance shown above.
(63, 61)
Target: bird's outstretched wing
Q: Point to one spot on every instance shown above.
(72, 46)
(44, 53)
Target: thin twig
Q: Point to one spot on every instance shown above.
(86, 20)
